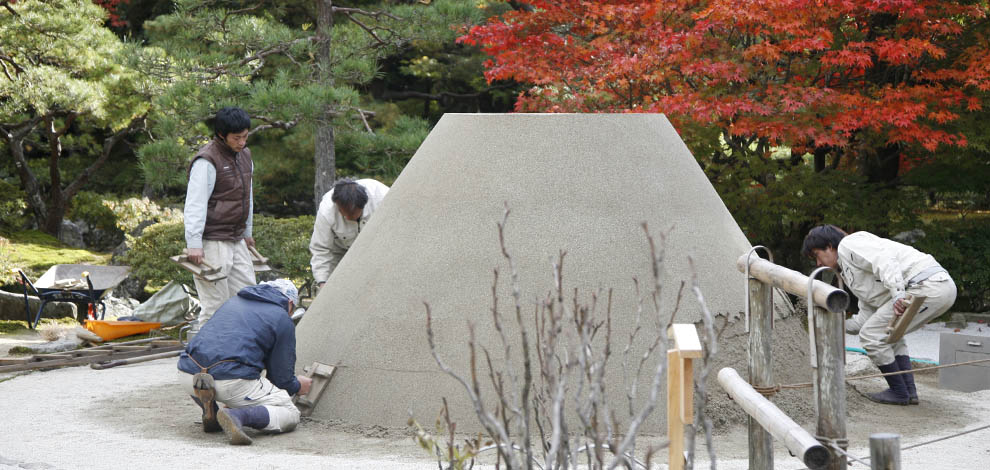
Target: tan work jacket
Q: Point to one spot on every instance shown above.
(878, 270)
(333, 235)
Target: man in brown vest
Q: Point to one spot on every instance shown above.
(218, 211)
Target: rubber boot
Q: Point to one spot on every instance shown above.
(904, 363)
(205, 397)
(897, 394)
(233, 421)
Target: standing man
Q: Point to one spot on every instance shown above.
(218, 211)
(343, 212)
(251, 332)
(884, 274)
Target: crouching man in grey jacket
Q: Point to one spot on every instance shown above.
(882, 274)
(250, 333)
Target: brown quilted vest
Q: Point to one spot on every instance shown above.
(227, 210)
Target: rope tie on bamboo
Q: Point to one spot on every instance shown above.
(767, 391)
(776, 388)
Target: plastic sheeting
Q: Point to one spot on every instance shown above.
(168, 306)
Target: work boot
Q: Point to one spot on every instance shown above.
(904, 363)
(205, 397)
(233, 421)
(210, 423)
(897, 394)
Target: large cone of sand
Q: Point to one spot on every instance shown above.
(582, 183)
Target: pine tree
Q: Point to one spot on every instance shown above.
(62, 82)
(299, 66)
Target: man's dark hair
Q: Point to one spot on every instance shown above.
(821, 238)
(231, 120)
(349, 195)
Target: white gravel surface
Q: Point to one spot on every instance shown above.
(136, 417)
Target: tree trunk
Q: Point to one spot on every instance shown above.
(820, 154)
(323, 155)
(32, 190)
(884, 167)
(57, 206)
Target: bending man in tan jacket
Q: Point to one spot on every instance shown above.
(344, 210)
(882, 273)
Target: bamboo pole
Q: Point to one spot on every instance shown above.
(836, 300)
(885, 451)
(830, 380)
(803, 445)
(760, 368)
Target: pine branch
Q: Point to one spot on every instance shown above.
(402, 95)
(223, 23)
(136, 124)
(6, 5)
(271, 123)
(351, 14)
(6, 59)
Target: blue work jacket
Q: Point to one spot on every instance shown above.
(253, 329)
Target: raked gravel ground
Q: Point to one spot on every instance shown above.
(136, 417)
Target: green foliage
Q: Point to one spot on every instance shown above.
(284, 241)
(131, 212)
(20, 351)
(12, 326)
(208, 53)
(35, 252)
(69, 61)
(7, 276)
(149, 254)
(780, 213)
(960, 246)
(384, 154)
(12, 208)
(90, 207)
(65, 74)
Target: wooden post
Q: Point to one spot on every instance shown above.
(885, 451)
(675, 423)
(830, 380)
(760, 368)
(680, 388)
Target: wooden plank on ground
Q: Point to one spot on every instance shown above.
(87, 359)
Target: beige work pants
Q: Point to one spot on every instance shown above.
(940, 291)
(283, 416)
(234, 260)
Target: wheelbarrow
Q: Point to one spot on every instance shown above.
(81, 284)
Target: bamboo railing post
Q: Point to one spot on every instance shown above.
(680, 388)
(835, 299)
(885, 451)
(760, 368)
(796, 439)
(829, 366)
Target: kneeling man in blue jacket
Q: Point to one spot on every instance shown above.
(252, 332)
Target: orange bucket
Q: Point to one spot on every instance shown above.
(118, 329)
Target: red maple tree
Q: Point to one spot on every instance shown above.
(823, 76)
